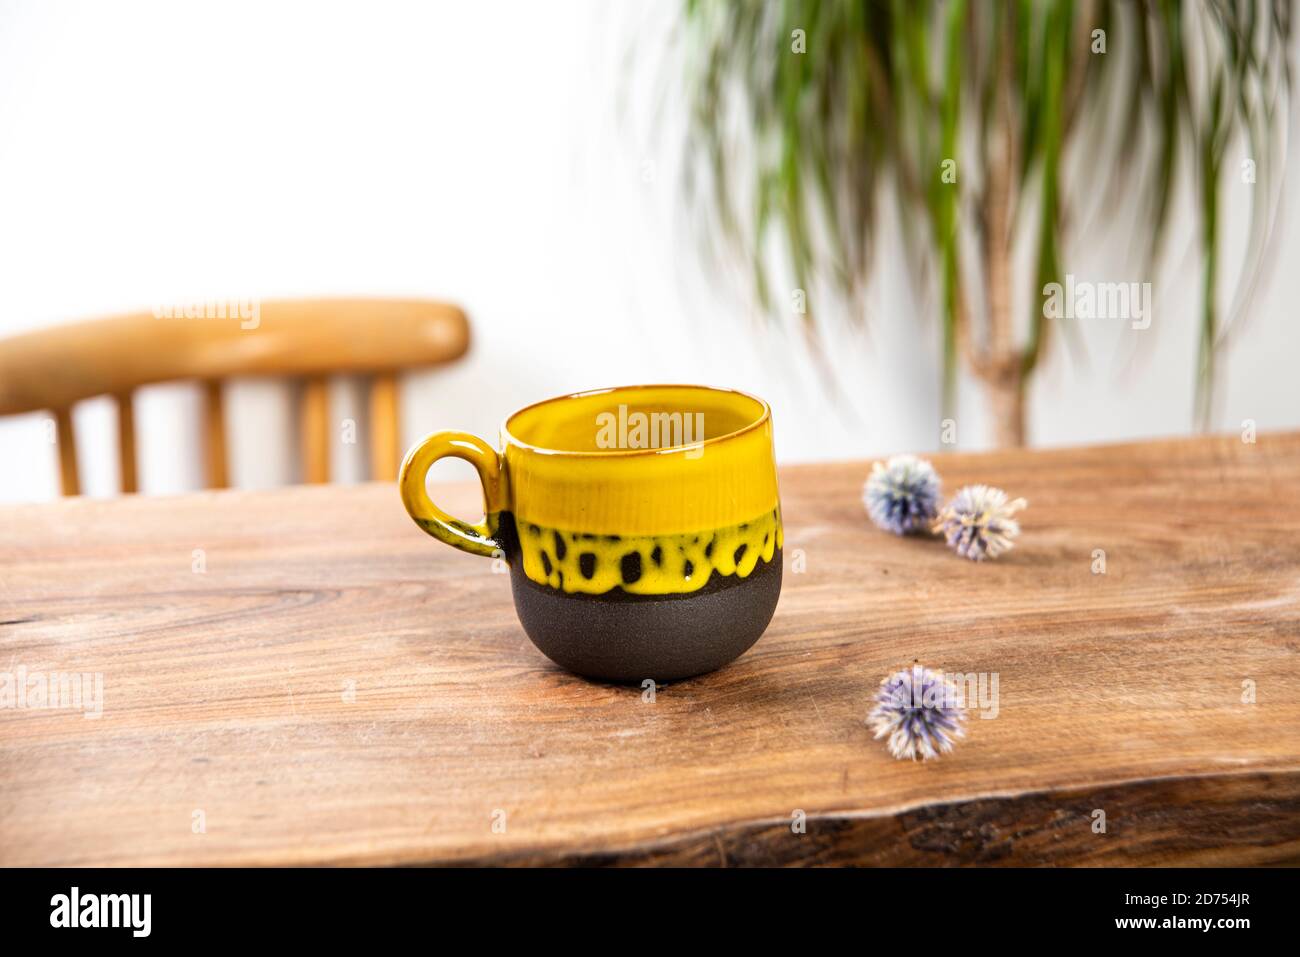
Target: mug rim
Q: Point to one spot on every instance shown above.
(511, 439)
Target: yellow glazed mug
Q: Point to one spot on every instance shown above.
(641, 525)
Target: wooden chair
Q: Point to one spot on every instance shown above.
(51, 369)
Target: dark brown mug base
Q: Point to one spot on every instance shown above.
(629, 638)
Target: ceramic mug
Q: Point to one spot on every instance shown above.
(641, 525)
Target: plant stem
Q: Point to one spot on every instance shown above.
(1002, 379)
(1006, 402)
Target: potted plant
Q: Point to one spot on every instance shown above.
(978, 118)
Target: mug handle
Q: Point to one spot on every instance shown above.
(475, 539)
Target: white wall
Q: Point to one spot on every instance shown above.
(487, 153)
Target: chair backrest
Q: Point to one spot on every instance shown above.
(51, 369)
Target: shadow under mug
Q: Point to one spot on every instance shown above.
(641, 525)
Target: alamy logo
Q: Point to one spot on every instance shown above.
(974, 691)
(247, 311)
(102, 910)
(68, 690)
(650, 430)
(1082, 299)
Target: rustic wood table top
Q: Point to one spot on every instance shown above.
(301, 676)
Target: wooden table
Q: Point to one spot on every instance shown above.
(332, 686)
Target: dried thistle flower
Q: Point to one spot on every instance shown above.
(920, 710)
(978, 523)
(902, 496)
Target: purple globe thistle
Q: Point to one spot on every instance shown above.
(920, 711)
(978, 523)
(902, 496)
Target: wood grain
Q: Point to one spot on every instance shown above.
(335, 687)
